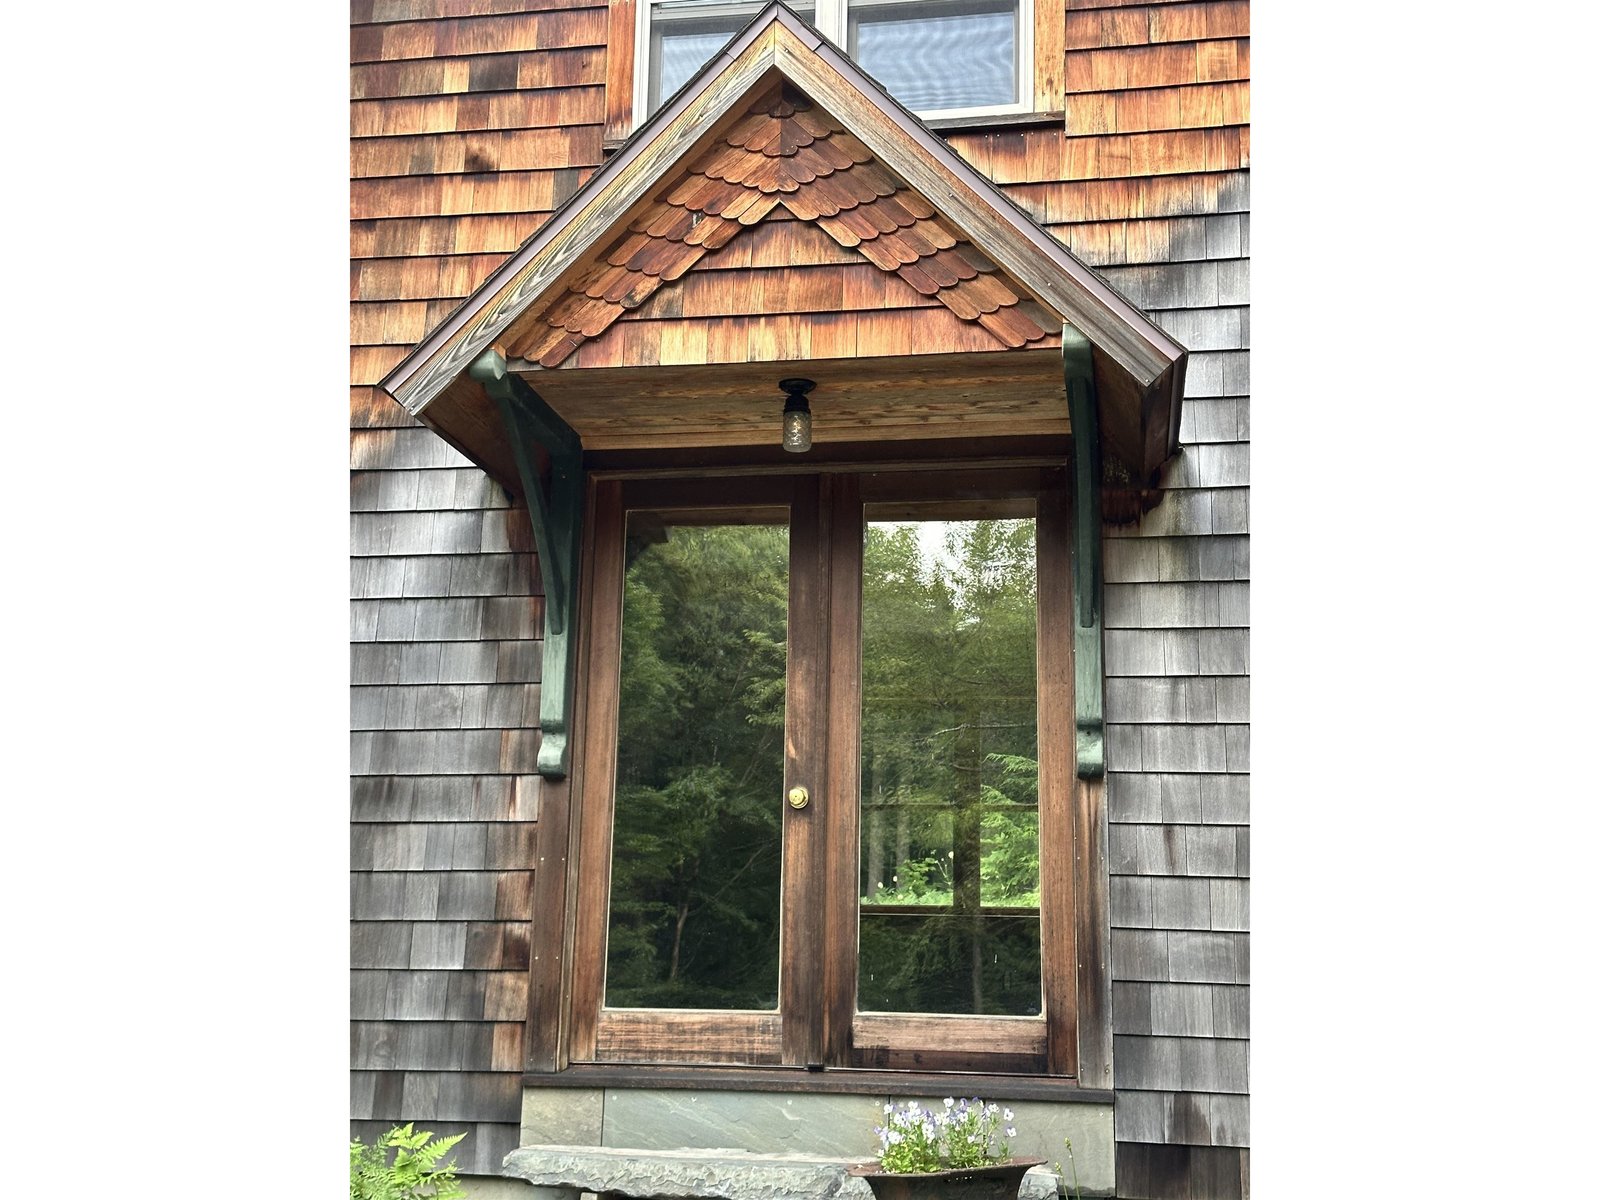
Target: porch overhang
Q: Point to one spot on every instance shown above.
(553, 307)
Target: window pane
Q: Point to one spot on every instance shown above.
(684, 36)
(696, 851)
(949, 763)
(939, 54)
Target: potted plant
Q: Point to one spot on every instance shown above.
(956, 1151)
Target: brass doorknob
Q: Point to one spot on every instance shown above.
(799, 797)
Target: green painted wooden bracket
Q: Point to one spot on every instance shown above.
(1088, 684)
(557, 519)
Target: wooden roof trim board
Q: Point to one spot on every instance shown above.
(777, 44)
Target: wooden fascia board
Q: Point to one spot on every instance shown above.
(561, 242)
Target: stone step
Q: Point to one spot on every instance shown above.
(565, 1172)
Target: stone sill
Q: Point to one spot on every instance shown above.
(565, 1172)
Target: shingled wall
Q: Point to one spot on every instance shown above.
(471, 121)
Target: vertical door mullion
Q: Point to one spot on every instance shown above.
(800, 972)
(843, 820)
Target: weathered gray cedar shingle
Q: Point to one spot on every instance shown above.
(1199, 851)
(1230, 1008)
(1221, 283)
(1181, 799)
(1214, 465)
(1194, 1119)
(1179, 903)
(1236, 739)
(1222, 652)
(380, 944)
(373, 577)
(518, 662)
(1168, 238)
(1195, 957)
(1225, 799)
(1139, 954)
(1230, 511)
(1181, 1009)
(421, 1045)
(391, 490)
(1218, 373)
(1131, 906)
(416, 996)
(1205, 605)
(1182, 748)
(368, 990)
(1233, 699)
(401, 450)
(444, 706)
(1230, 904)
(404, 799)
(1146, 850)
(1207, 328)
(1211, 850)
(1150, 1171)
(444, 752)
(1183, 512)
(1133, 797)
(1204, 1064)
(467, 618)
(439, 945)
(441, 575)
(1214, 419)
(409, 533)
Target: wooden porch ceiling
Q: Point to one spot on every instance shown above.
(878, 399)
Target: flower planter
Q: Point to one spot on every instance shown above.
(995, 1181)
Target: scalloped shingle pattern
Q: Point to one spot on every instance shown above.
(783, 151)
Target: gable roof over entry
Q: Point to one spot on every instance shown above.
(782, 127)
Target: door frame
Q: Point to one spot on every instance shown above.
(816, 1025)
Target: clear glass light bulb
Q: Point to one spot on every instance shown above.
(796, 431)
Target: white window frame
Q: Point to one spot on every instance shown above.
(832, 21)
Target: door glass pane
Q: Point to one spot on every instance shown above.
(949, 765)
(939, 54)
(696, 844)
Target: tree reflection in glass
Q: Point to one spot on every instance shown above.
(949, 762)
(696, 845)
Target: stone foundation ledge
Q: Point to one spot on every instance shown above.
(564, 1172)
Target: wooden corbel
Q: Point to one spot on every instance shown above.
(1088, 684)
(556, 514)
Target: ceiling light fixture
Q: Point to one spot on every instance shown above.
(796, 415)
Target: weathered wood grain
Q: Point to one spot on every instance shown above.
(1100, 28)
(492, 72)
(461, 36)
(378, 12)
(473, 153)
(1165, 65)
(497, 112)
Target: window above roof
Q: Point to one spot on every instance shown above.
(937, 57)
(943, 59)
